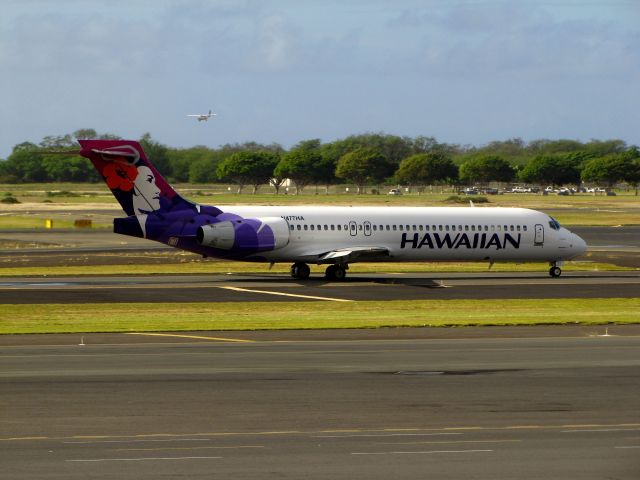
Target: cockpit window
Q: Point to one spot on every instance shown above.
(553, 223)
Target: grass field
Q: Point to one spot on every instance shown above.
(151, 317)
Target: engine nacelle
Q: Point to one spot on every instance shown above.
(251, 234)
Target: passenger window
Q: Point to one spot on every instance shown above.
(339, 227)
(420, 227)
(486, 228)
(524, 227)
(360, 227)
(400, 227)
(388, 228)
(346, 227)
(299, 227)
(375, 228)
(473, 228)
(291, 227)
(306, 227)
(395, 228)
(333, 227)
(453, 228)
(466, 228)
(506, 228)
(518, 228)
(511, 227)
(446, 227)
(415, 228)
(326, 227)
(440, 227)
(312, 227)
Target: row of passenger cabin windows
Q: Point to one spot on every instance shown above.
(416, 228)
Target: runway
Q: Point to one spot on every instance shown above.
(500, 405)
(270, 288)
(483, 403)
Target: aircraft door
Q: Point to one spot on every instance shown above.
(538, 239)
(367, 228)
(353, 228)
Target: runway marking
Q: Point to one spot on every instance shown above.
(450, 442)
(141, 459)
(186, 448)
(175, 436)
(630, 446)
(385, 435)
(197, 337)
(268, 292)
(422, 452)
(602, 430)
(140, 441)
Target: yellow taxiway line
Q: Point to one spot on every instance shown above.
(268, 292)
(197, 337)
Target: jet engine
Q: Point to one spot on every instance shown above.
(251, 234)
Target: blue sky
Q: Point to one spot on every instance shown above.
(466, 72)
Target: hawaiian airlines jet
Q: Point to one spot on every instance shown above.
(333, 236)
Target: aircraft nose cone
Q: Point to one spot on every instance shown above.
(579, 245)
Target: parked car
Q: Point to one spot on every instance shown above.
(470, 191)
(395, 191)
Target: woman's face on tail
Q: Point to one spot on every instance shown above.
(146, 196)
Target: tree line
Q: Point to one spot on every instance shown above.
(363, 160)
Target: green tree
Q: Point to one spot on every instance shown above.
(157, 154)
(248, 168)
(485, 169)
(69, 168)
(632, 176)
(25, 164)
(425, 169)
(300, 164)
(558, 169)
(610, 169)
(362, 166)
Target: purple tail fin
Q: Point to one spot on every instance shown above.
(133, 180)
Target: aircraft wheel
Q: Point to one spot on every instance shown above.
(300, 271)
(335, 272)
(555, 272)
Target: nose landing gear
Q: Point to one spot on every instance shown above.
(555, 271)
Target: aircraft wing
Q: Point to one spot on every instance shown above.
(351, 254)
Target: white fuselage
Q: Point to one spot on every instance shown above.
(413, 234)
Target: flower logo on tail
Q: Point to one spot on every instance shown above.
(120, 176)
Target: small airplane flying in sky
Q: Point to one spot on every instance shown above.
(332, 236)
(203, 117)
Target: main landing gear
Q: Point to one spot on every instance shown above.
(555, 271)
(336, 272)
(301, 271)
